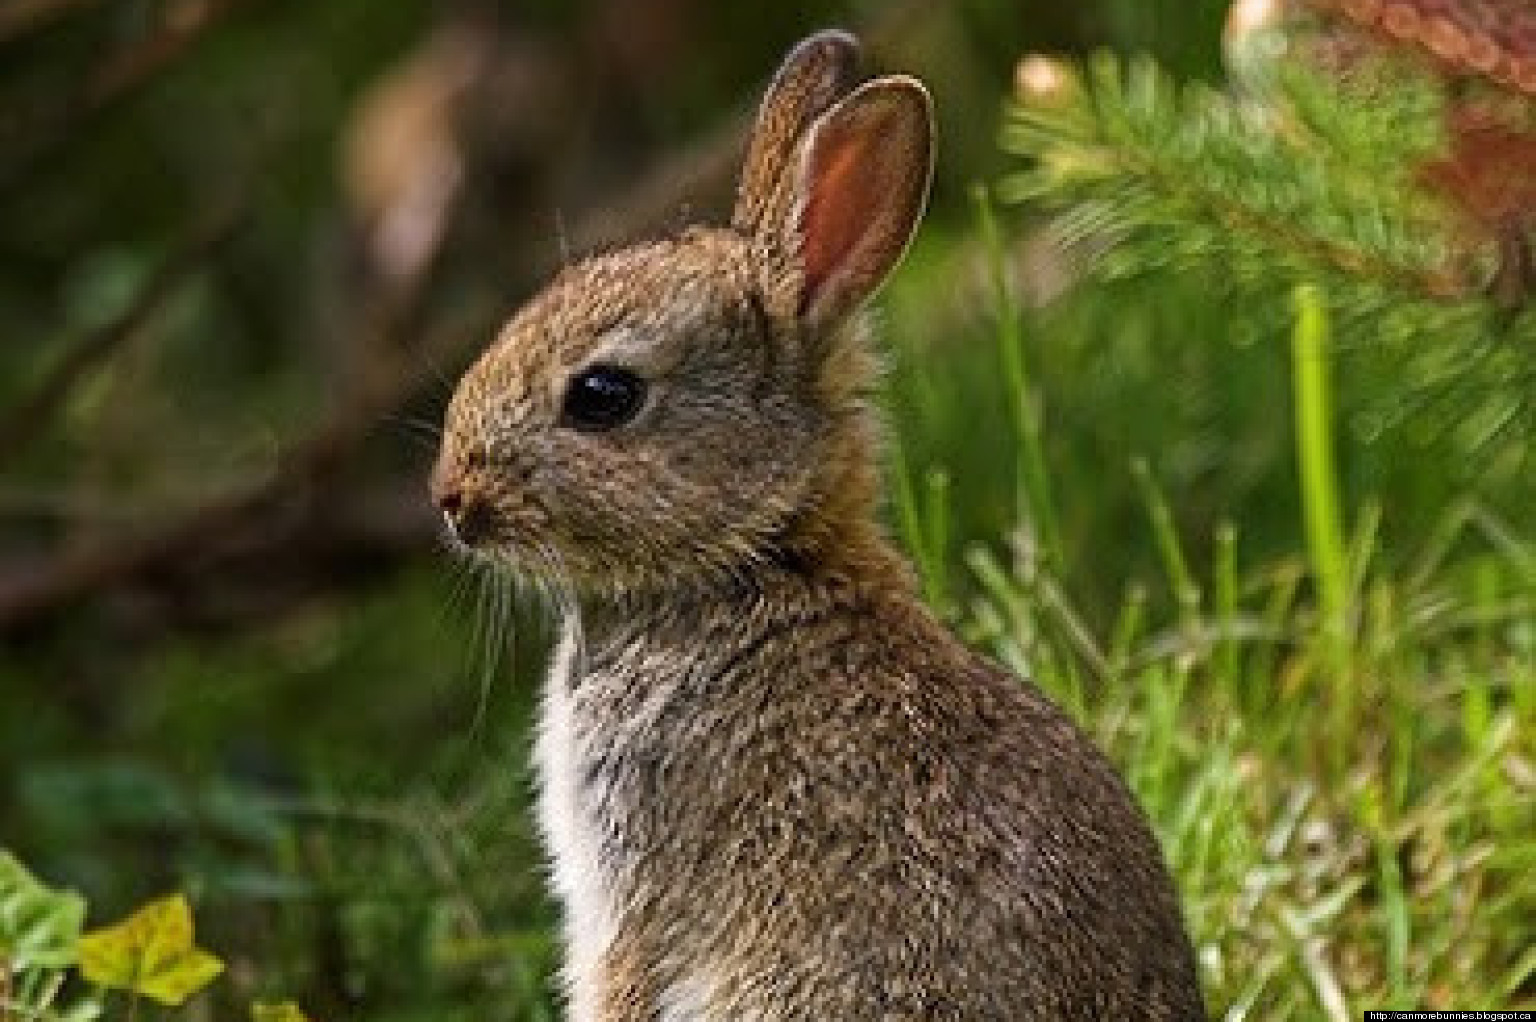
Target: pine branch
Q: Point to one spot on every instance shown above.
(1211, 178)
(1300, 178)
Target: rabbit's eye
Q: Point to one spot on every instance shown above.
(602, 397)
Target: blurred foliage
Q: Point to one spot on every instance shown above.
(1313, 183)
(250, 243)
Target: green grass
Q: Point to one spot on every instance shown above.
(1334, 747)
(1337, 850)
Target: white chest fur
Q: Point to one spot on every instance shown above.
(571, 836)
(578, 728)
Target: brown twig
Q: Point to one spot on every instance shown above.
(137, 64)
(112, 561)
(33, 139)
(20, 424)
(18, 17)
(393, 373)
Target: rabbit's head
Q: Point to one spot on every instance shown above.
(693, 406)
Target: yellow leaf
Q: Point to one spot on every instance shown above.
(285, 1011)
(182, 978)
(151, 952)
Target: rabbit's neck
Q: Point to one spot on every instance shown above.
(849, 567)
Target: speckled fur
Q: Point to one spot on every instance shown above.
(773, 786)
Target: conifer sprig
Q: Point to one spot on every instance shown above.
(1291, 177)
(1314, 184)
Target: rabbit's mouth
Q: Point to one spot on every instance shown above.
(483, 511)
(515, 541)
(472, 524)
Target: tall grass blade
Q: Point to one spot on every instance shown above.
(1186, 592)
(1321, 519)
(1035, 504)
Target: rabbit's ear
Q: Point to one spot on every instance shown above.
(817, 73)
(859, 189)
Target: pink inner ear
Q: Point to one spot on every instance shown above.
(862, 186)
(837, 211)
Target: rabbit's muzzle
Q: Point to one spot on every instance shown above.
(486, 501)
(471, 521)
(465, 506)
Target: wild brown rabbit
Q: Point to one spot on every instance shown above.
(773, 786)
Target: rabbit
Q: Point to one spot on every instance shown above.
(772, 785)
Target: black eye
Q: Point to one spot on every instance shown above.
(602, 397)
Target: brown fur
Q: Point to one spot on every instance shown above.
(775, 787)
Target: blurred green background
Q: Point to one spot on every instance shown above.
(248, 245)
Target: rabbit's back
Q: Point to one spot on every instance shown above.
(845, 816)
